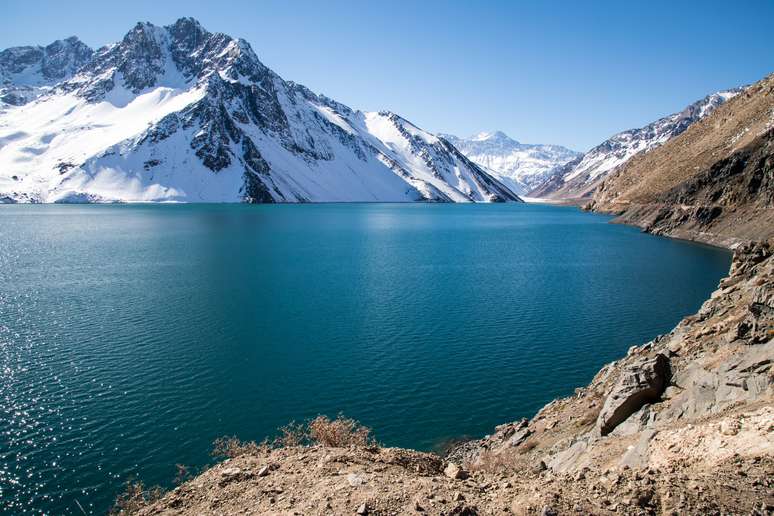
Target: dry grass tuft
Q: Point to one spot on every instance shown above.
(135, 497)
(528, 446)
(340, 432)
(491, 462)
(589, 418)
(183, 474)
(292, 434)
(230, 447)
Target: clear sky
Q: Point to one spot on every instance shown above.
(571, 73)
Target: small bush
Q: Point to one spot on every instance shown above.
(135, 497)
(491, 462)
(528, 446)
(183, 473)
(323, 431)
(588, 418)
(231, 447)
(292, 434)
(340, 432)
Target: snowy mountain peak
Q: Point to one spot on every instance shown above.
(37, 65)
(520, 166)
(705, 106)
(26, 72)
(190, 30)
(177, 113)
(492, 136)
(173, 56)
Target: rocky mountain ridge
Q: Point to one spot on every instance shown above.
(713, 183)
(520, 166)
(177, 113)
(27, 72)
(579, 179)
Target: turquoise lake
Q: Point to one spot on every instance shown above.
(133, 336)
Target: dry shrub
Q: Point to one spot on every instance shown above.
(135, 497)
(336, 433)
(588, 418)
(183, 473)
(340, 432)
(292, 434)
(231, 447)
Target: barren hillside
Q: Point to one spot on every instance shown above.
(713, 183)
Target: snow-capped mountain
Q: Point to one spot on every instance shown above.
(520, 166)
(177, 113)
(26, 72)
(578, 179)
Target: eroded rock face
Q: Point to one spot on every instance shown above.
(641, 383)
(702, 391)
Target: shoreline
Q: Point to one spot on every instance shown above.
(575, 448)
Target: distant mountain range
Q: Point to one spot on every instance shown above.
(555, 172)
(520, 166)
(178, 113)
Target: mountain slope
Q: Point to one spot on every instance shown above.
(26, 72)
(520, 166)
(580, 179)
(713, 183)
(178, 113)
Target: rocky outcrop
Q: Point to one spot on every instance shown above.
(640, 383)
(730, 201)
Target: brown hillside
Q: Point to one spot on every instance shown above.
(730, 128)
(721, 166)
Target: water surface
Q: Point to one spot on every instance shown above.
(132, 336)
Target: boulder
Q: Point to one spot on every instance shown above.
(640, 383)
(454, 471)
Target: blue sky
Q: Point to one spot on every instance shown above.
(571, 73)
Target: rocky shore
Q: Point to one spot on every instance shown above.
(683, 424)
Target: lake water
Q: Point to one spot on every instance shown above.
(132, 336)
